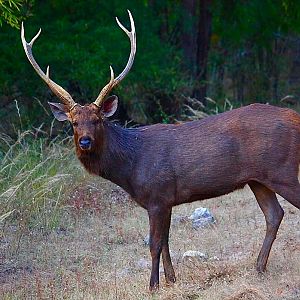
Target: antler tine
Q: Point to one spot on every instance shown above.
(62, 94)
(113, 82)
(132, 38)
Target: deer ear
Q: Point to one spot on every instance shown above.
(60, 111)
(109, 106)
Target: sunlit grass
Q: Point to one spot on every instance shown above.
(34, 175)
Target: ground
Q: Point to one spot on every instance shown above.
(99, 252)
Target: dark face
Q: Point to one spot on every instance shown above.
(87, 121)
(87, 124)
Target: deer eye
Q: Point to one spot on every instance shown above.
(75, 124)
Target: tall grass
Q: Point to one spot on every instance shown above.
(34, 175)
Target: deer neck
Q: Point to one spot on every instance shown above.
(115, 156)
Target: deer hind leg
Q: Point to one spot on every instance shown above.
(159, 219)
(167, 263)
(273, 213)
(290, 192)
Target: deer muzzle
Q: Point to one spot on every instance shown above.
(85, 143)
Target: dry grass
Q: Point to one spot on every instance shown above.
(94, 252)
(33, 176)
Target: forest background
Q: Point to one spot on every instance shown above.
(192, 56)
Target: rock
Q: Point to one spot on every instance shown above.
(61, 231)
(190, 255)
(147, 240)
(214, 258)
(201, 223)
(201, 217)
(200, 212)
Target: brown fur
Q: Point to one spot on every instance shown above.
(161, 166)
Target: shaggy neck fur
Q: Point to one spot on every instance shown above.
(114, 154)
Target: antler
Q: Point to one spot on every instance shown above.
(114, 81)
(62, 94)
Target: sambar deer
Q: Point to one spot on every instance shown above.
(162, 166)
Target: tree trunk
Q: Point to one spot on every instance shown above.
(203, 43)
(294, 72)
(189, 35)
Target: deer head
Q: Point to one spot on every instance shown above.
(87, 120)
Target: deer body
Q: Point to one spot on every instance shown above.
(162, 166)
(200, 159)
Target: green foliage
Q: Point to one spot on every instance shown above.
(81, 42)
(13, 11)
(9, 12)
(255, 22)
(249, 49)
(248, 60)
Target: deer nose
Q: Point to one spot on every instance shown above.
(85, 142)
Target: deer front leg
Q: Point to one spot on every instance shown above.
(159, 219)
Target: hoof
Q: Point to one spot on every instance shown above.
(260, 269)
(170, 280)
(153, 288)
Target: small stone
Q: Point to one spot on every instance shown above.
(214, 258)
(201, 217)
(61, 231)
(201, 223)
(200, 212)
(191, 254)
(147, 240)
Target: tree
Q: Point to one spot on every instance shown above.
(196, 35)
(12, 12)
(189, 34)
(203, 43)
